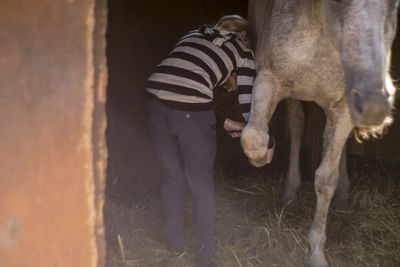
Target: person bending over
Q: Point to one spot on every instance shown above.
(182, 121)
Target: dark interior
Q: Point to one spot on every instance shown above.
(140, 33)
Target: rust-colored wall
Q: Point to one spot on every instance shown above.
(52, 153)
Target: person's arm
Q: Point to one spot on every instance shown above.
(233, 128)
(244, 80)
(246, 74)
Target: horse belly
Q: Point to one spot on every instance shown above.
(308, 84)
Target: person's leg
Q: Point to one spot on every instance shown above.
(197, 138)
(173, 183)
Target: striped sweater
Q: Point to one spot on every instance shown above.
(200, 61)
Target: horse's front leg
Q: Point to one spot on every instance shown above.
(338, 126)
(265, 97)
(342, 190)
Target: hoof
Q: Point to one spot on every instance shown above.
(259, 162)
(317, 261)
(290, 197)
(254, 145)
(289, 203)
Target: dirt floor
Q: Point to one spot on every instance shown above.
(252, 230)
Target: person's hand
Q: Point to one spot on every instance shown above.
(271, 149)
(233, 128)
(270, 155)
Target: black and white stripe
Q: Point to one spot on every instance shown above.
(198, 63)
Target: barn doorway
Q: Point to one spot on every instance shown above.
(140, 33)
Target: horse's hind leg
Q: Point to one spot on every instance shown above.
(342, 190)
(296, 127)
(338, 127)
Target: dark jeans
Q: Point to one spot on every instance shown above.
(186, 144)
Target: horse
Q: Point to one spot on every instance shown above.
(335, 53)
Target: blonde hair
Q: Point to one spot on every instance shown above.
(236, 24)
